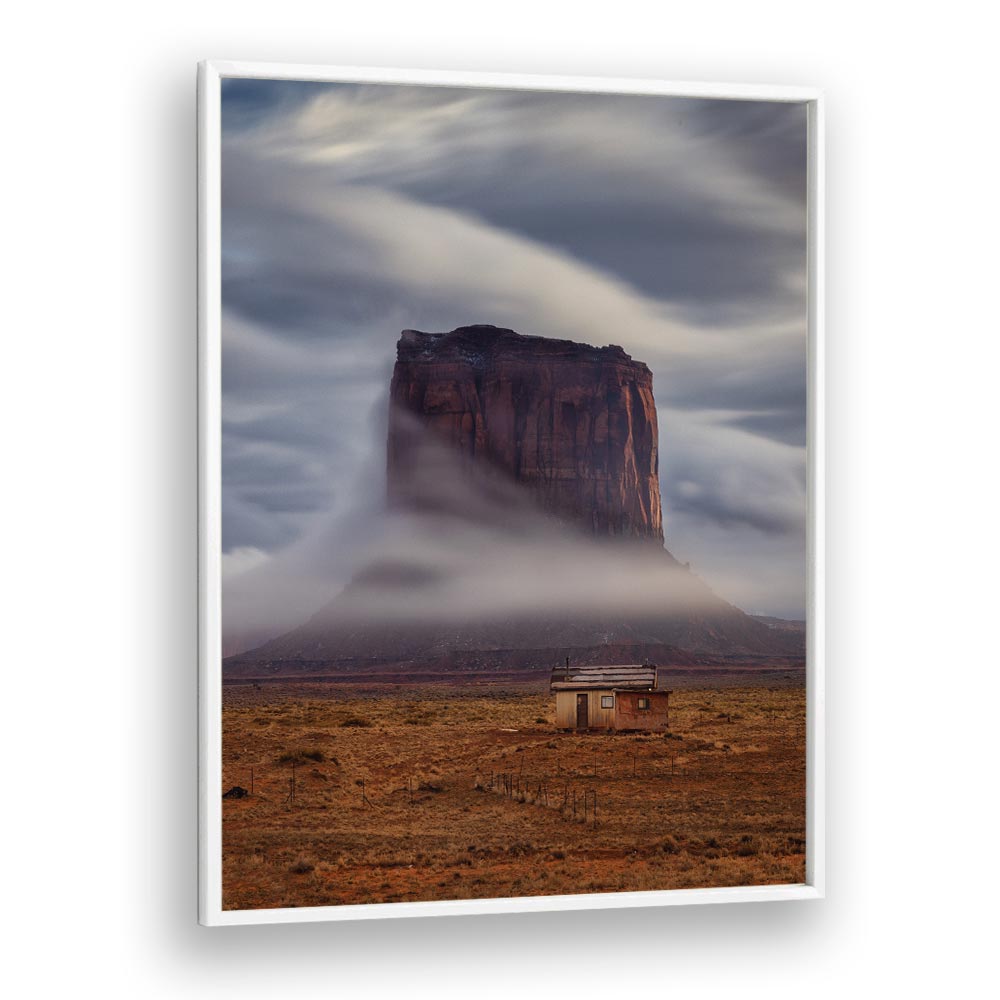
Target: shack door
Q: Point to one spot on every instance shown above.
(581, 712)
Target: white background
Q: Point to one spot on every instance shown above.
(98, 408)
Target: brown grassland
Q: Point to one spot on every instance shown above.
(440, 792)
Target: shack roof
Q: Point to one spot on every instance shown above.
(629, 676)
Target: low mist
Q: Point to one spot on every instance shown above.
(459, 543)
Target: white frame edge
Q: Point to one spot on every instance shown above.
(210, 912)
(209, 499)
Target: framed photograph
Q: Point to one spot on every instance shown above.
(511, 493)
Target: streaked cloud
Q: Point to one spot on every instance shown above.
(675, 228)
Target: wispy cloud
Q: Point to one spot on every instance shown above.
(673, 228)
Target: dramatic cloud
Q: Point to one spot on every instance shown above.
(673, 227)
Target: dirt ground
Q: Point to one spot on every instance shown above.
(363, 795)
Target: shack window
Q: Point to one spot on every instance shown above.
(607, 701)
(643, 703)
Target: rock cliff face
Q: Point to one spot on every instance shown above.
(573, 425)
(486, 428)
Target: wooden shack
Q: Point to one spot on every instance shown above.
(610, 697)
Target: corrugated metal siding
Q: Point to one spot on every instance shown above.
(600, 718)
(597, 717)
(565, 709)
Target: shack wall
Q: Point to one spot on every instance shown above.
(565, 709)
(600, 718)
(597, 717)
(628, 715)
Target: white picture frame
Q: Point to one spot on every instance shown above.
(210, 911)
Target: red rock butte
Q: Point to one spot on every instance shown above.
(573, 428)
(574, 425)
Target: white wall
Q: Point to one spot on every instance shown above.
(98, 399)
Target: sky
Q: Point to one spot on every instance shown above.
(674, 227)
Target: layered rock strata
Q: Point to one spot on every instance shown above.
(573, 425)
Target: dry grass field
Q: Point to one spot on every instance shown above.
(455, 793)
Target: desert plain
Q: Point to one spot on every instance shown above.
(378, 793)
